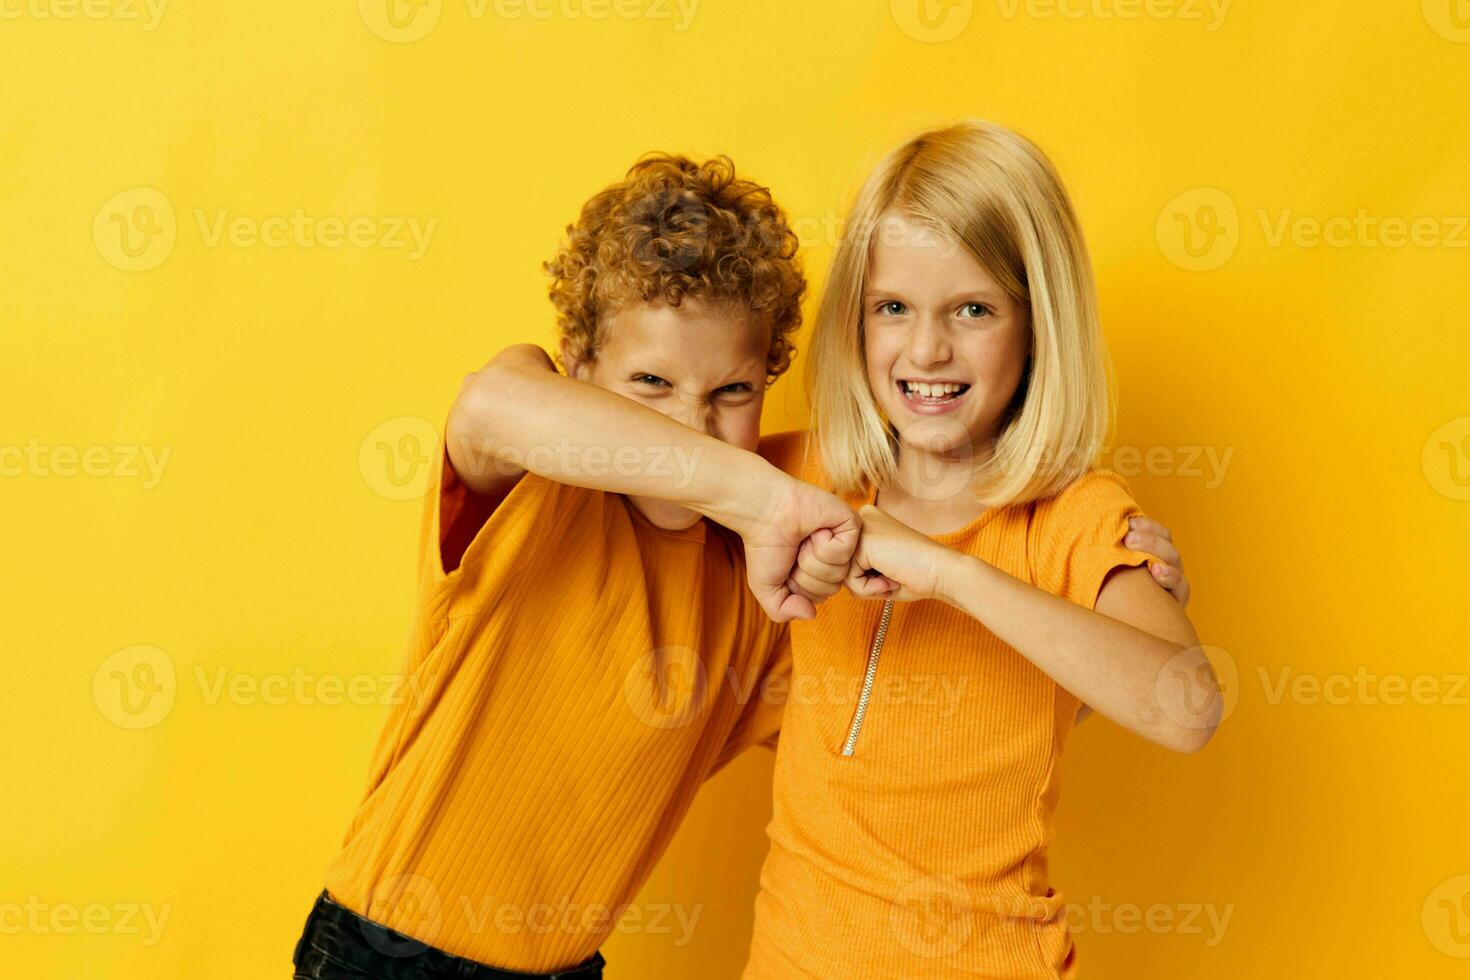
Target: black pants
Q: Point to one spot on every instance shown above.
(339, 944)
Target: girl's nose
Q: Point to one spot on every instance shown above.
(929, 342)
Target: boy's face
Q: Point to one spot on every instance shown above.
(700, 364)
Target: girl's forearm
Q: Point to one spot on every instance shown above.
(1108, 664)
(518, 414)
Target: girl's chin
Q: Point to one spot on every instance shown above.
(938, 434)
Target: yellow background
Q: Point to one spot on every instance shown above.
(1330, 829)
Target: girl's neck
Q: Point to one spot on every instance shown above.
(933, 492)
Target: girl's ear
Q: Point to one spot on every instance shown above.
(577, 367)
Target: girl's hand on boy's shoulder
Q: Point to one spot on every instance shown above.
(1154, 538)
(893, 561)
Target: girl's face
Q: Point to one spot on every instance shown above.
(945, 346)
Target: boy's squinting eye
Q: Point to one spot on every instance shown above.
(975, 310)
(651, 380)
(737, 388)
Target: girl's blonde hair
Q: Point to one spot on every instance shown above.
(995, 194)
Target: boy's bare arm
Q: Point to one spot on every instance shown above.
(517, 414)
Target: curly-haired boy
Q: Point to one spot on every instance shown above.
(585, 651)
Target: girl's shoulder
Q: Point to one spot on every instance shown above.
(1095, 492)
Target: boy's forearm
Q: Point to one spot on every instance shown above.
(519, 414)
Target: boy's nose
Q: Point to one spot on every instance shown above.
(696, 415)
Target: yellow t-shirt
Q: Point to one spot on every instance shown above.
(573, 676)
(923, 854)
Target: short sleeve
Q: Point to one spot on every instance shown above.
(1076, 537)
(764, 704)
(467, 535)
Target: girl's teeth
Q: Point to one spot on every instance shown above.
(925, 390)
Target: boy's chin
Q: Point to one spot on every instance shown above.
(662, 514)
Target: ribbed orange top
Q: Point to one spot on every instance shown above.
(923, 854)
(573, 677)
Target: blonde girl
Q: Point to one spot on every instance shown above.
(960, 399)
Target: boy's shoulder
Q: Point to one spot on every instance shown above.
(794, 453)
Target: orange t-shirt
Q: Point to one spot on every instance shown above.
(923, 853)
(573, 676)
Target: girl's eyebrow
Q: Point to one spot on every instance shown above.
(989, 295)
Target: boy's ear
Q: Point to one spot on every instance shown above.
(576, 367)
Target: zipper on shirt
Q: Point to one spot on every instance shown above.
(872, 671)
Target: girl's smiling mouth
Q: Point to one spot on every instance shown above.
(931, 397)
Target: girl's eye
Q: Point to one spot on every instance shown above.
(892, 308)
(651, 379)
(974, 310)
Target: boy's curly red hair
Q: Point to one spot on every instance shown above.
(675, 228)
